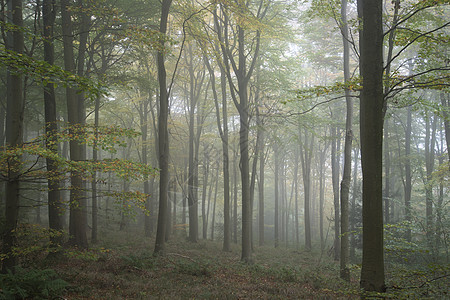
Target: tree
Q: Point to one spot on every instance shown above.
(306, 153)
(78, 217)
(163, 135)
(14, 131)
(346, 177)
(371, 128)
(243, 70)
(55, 204)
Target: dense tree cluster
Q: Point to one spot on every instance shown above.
(252, 122)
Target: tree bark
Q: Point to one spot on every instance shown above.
(163, 135)
(55, 204)
(335, 170)
(346, 177)
(408, 176)
(430, 142)
(371, 128)
(78, 221)
(277, 193)
(387, 174)
(306, 151)
(14, 135)
(261, 187)
(205, 185)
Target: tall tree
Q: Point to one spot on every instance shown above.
(14, 135)
(335, 170)
(306, 154)
(243, 66)
(55, 204)
(408, 177)
(78, 217)
(346, 177)
(223, 132)
(163, 135)
(371, 128)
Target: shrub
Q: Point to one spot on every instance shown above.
(32, 284)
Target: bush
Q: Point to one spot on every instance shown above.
(32, 284)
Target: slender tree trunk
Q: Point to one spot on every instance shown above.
(253, 176)
(205, 185)
(163, 135)
(321, 196)
(94, 233)
(14, 134)
(296, 221)
(353, 206)
(213, 221)
(408, 176)
(430, 142)
(371, 123)
(184, 199)
(144, 149)
(261, 189)
(277, 194)
(213, 183)
(169, 216)
(55, 205)
(306, 151)
(335, 169)
(445, 102)
(174, 201)
(224, 137)
(235, 197)
(346, 177)
(387, 173)
(282, 199)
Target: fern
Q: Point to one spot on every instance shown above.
(35, 284)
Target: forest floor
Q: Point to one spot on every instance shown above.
(124, 268)
(121, 266)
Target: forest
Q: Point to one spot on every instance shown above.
(224, 149)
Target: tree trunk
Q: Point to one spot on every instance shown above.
(213, 221)
(224, 137)
(78, 221)
(445, 102)
(371, 128)
(387, 173)
(346, 177)
(14, 131)
(306, 158)
(353, 206)
(163, 135)
(94, 233)
(430, 142)
(408, 176)
(235, 196)
(55, 205)
(296, 221)
(261, 188)
(335, 169)
(205, 185)
(277, 193)
(321, 195)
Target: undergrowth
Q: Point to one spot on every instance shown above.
(123, 267)
(31, 284)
